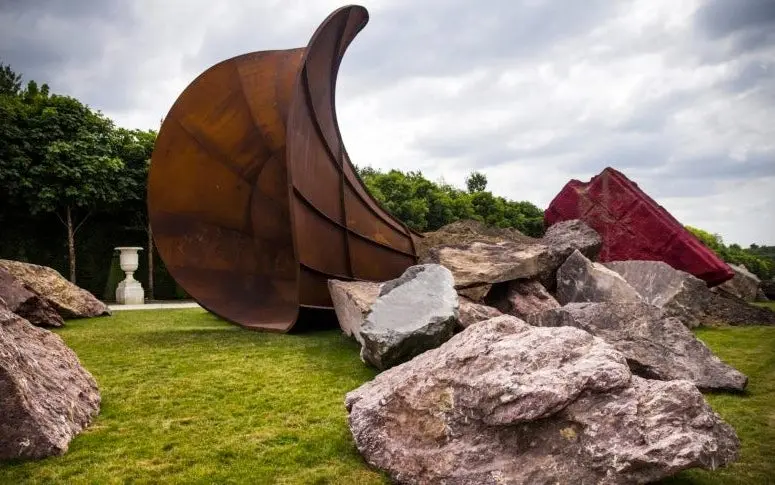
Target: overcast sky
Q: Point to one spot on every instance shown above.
(678, 95)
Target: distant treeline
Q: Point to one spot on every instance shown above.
(760, 260)
(426, 206)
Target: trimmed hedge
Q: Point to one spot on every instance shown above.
(42, 240)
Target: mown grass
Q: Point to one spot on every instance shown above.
(766, 304)
(188, 398)
(751, 350)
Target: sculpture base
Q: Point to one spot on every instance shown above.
(130, 293)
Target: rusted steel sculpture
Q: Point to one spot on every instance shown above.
(253, 200)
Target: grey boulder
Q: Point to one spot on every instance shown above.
(413, 313)
(504, 402)
(678, 293)
(656, 346)
(581, 280)
(46, 396)
(744, 285)
(476, 293)
(729, 310)
(562, 239)
(479, 264)
(464, 232)
(480, 256)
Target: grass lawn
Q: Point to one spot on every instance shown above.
(766, 304)
(188, 398)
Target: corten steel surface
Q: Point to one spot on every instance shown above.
(253, 201)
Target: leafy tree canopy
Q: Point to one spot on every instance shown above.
(757, 259)
(10, 82)
(59, 156)
(426, 206)
(476, 182)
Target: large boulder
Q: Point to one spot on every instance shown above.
(655, 346)
(18, 299)
(521, 298)
(728, 310)
(744, 285)
(413, 313)
(581, 280)
(687, 298)
(504, 402)
(633, 226)
(68, 299)
(482, 263)
(46, 396)
(562, 239)
(480, 255)
(678, 293)
(352, 302)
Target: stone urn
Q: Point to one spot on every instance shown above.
(129, 291)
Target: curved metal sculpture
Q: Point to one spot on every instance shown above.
(252, 198)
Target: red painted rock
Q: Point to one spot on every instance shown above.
(634, 227)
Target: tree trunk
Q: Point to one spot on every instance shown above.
(150, 261)
(71, 244)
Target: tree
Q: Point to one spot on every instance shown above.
(754, 258)
(63, 163)
(10, 82)
(134, 148)
(476, 182)
(713, 241)
(426, 206)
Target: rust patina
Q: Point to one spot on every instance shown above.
(253, 201)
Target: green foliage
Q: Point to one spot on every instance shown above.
(765, 252)
(760, 260)
(476, 182)
(60, 158)
(426, 206)
(751, 350)
(189, 398)
(10, 82)
(63, 158)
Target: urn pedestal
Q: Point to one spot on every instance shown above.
(129, 291)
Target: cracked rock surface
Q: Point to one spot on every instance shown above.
(506, 402)
(655, 346)
(46, 396)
